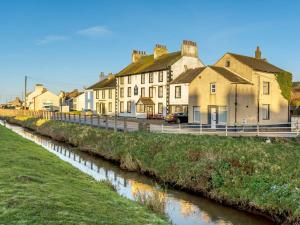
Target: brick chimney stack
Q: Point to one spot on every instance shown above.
(258, 53)
(137, 55)
(101, 76)
(189, 48)
(159, 50)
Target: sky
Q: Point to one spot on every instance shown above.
(65, 44)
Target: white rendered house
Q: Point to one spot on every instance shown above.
(144, 89)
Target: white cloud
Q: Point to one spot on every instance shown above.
(96, 31)
(50, 39)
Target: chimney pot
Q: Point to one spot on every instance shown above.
(258, 53)
(189, 48)
(159, 50)
(136, 55)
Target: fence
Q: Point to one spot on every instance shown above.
(127, 125)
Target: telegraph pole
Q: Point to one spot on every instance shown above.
(25, 91)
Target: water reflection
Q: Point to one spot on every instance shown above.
(182, 208)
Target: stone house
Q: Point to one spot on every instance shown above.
(238, 90)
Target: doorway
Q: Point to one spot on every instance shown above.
(213, 117)
(196, 114)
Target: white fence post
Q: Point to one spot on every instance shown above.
(162, 127)
(226, 129)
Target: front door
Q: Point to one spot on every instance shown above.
(150, 110)
(196, 114)
(213, 117)
(102, 108)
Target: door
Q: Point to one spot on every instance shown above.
(102, 108)
(196, 114)
(213, 117)
(150, 110)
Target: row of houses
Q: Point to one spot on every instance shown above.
(236, 89)
(43, 99)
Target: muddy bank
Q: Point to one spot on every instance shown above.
(229, 172)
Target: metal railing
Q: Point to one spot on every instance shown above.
(128, 125)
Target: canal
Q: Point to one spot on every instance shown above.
(182, 208)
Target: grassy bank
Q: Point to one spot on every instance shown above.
(244, 172)
(38, 188)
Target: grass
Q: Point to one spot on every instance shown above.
(38, 188)
(244, 172)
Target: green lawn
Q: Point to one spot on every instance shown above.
(36, 187)
(244, 172)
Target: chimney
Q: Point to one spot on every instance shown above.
(258, 53)
(136, 55)
(39, 87)
(110, 76)
(159, 50)
(189, 48)
(101, 75)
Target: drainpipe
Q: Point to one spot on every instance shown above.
(258, 95)
(235, 105)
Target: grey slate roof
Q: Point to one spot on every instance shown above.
(188, 76)
(257, 64)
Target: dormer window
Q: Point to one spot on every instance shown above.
(227, 63)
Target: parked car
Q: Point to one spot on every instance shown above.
(177, 118)
(88, 112)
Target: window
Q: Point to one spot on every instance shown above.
(150, 77)
(121, 80)
(266, 111)
(160, 91)
(142, 78)
(160, 76)
(142, 92)
(227, 63)
(97, 94)
(121, 107)
(129, 92)
(136, 90)
(140, 108)
(177, 91)
(160, 108)
(213, 88)
(103, 94)
(110, 106)
(129, 80)
(266, 88)
(129, 106)
(122, 92)
(110, 93)
(222, 114)
(150, 92)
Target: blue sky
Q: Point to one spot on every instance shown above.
(66, 44)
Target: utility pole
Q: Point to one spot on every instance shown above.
(25, 91)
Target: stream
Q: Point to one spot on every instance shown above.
(182, 208)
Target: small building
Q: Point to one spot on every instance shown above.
(78, 102)
(104, 95)
(46, 101)
(238, 90)
(38, 89)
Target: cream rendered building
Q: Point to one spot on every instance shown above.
(104, 95)
(237, 90)
(143, 87)
(46, 101)
(38, 89)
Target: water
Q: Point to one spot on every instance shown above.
(182, 208)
